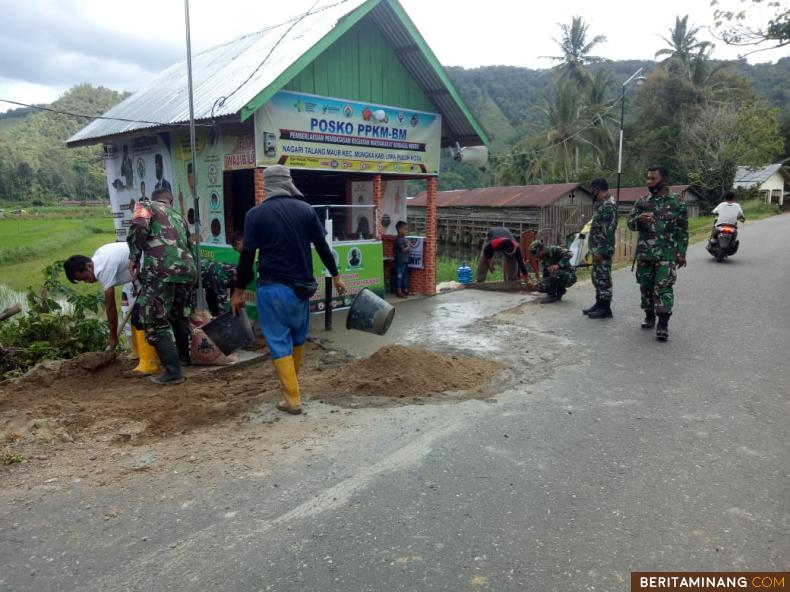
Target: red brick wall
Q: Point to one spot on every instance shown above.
(259, 192)
(378, 198)
(423, 281)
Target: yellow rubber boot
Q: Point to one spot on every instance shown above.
(148, 362)
(135, 355)
(298, 357)
(286, 372)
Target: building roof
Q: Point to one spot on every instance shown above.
(518, 196)
(748, 177)
(631, 194)
(261, 63)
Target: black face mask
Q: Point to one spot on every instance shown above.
(655, 189)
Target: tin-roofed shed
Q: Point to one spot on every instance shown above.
(465, 215)
(348, 95)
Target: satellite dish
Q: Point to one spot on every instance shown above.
(471, 155)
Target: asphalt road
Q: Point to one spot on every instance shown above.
(631, 455)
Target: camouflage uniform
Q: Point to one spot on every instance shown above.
(564, 277)
(159, 236)
(658, 248)
(217, 278)
(601, 242)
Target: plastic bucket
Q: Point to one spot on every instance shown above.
(229, 332)
(370, 313)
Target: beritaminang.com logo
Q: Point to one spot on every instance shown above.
(710, 581)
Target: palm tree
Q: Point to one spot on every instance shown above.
(561, 138)
(599, 113)
(576, 52)
(683, 47)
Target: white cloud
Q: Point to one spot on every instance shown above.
(54, 45)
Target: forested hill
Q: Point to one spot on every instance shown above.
(504, 98)
(511, 104)
(35, 164)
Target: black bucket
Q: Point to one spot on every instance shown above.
(370, 313)
(229, 332)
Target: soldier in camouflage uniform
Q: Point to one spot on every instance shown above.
(601, 244)
(217, 278)
(558, 273)
(159, 246)
(661, 219)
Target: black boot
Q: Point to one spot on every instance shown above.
(182, 334)
(662, 329)
(602, 312)
(650, 320)
(593, 308)
(550, 298)
(168, 357)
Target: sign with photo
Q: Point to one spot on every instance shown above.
(210, 153)
(311, 132)
(134, 170)
(416, 251)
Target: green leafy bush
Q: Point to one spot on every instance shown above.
(50, 331)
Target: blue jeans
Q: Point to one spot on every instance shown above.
(402, 277)
(284, 318)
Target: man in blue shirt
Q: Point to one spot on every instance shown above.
(281, 230)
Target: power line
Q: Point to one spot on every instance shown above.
(294, 21)
(83, 115)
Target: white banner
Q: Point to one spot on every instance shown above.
(134, 170)
(311, 132)
(416, 251)
(393, 205)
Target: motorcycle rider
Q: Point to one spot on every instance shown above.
(727, 212)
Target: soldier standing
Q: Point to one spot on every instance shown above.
(159, 239)
(558, 273)
(661, 219)
(601, 242)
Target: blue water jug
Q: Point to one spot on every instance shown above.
(464, 274)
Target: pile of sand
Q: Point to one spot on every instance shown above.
(400, 371)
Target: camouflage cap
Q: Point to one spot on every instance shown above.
(535, 246)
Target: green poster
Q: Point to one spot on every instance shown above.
(361, 265)
(210, 154)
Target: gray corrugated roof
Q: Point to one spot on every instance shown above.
(218, 71)
(748, 177)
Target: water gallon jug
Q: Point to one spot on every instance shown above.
(464, 274)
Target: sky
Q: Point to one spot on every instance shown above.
(47, 46)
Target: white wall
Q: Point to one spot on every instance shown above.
(776, 182)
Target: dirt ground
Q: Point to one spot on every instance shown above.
(87, 417)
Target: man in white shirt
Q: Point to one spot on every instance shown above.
(109, 266)
(728, 211)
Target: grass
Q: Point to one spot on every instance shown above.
(28, 243)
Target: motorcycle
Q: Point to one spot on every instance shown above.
(724, 242)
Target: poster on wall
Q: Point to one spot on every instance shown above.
(416, 251)
(393, 205)
(311, 132)
(362, 225)
(134, 170)
(359, 264)
(239, 150)
(210, 153)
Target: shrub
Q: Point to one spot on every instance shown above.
(47, 331)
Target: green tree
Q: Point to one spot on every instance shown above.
(576, 49)
(683, 47)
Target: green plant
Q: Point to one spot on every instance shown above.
(9, 458)
(49, 330)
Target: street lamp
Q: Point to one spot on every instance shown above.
(639, 79)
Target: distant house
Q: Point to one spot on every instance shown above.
(629, 195)
(771, 181)
(464, 215)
